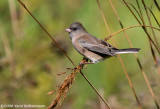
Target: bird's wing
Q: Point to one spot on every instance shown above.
(96, 47)
(107, 44)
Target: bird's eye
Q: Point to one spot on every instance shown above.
(74, 28)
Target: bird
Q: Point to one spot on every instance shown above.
(91, 47)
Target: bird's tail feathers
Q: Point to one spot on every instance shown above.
(128, 50)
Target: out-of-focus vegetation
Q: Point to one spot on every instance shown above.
(29, 61)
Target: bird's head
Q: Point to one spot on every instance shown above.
(76, 29)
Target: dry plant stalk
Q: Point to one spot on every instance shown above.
(143, 26)
(62, 90)
(150, 40)
(127, 37)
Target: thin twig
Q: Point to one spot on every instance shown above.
(158, 7)
(126, 35)
(150, 23)
(135, 9)
(152, 51)
(146, 79)
(153, 96)
(157, 48)
(144, 28)
(47, 33)
(95, 90)
(154, 16)
(129, 28)
(139, 14)
(107, 27)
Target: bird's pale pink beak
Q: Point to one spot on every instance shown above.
(68, 30)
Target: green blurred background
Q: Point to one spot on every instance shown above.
(29, 61)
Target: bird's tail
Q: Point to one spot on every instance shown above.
(128, 50)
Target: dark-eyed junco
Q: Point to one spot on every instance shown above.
(91, 47)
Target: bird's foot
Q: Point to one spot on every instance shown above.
(84, 63)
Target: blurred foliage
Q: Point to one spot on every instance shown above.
(29, 61)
